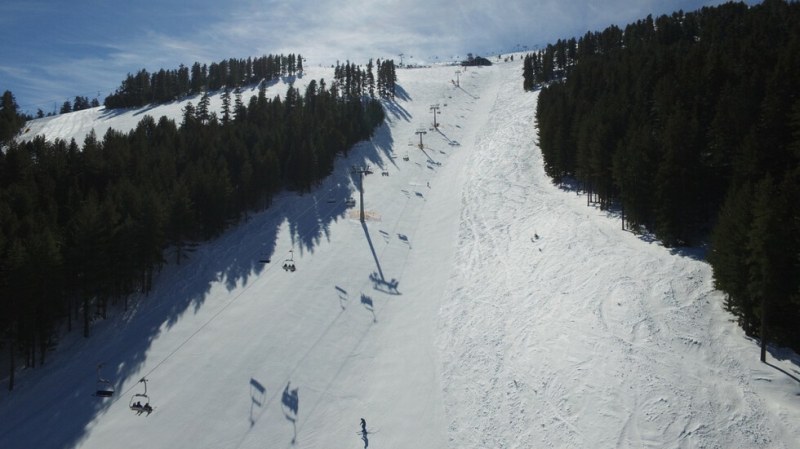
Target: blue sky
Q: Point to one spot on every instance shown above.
(53, 50)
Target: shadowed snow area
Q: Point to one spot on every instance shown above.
(477, 306)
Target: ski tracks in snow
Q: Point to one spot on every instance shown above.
(476, 368)
(560, 330)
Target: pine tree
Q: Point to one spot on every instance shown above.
(527, 73)
(189, 115)
(729, 253)
(11, 121)
(239, 110)
(181, 223)
(226, 106)
(202, 113)
(772, 269)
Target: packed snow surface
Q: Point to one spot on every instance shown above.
(477, 306)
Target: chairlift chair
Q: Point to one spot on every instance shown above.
(104, 389)
(140, 402)
(288, 264)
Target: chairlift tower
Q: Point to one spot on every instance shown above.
(361, 172)
(421, 131)
(435, 108)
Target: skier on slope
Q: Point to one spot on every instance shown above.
(363, 426)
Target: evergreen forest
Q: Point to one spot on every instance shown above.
(168, 85)
(689, 125)
(86, 225)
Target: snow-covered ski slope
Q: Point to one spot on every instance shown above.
(76, 125)
(478, 306)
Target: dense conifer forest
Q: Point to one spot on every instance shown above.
(689, 125)
(83, 226)
(167, 85)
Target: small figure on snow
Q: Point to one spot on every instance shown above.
(363, 425)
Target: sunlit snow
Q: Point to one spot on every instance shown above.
(477, 306)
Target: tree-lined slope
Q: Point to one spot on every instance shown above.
(477, 306)
(690, 124)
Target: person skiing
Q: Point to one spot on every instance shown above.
(363, 426)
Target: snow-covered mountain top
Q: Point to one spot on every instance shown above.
(76, 125)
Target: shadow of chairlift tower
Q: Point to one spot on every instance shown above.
(382, 285)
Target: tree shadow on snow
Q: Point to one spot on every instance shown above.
(109, 113)
(401, 93)
(396, 110)
(54, 406)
